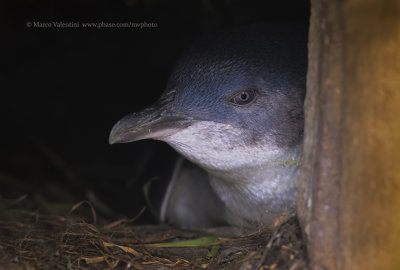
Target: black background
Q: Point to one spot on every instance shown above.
(62, 89)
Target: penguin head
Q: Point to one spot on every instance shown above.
(234, 100)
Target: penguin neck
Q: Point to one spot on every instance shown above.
(257, 192)
(263, 171)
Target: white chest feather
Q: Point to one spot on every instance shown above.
(254, 181)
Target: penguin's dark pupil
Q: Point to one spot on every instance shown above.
(243, 97)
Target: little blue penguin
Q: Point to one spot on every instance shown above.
(233, 108)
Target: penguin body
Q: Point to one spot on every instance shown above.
(233, 106)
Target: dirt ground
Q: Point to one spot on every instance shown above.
(79, 240)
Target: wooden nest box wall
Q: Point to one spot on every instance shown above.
(349, 202)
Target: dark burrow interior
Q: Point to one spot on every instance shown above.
(63, 90)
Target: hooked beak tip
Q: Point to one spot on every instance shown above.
(117, 133)
(113, 138)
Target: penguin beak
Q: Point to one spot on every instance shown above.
(151, 123)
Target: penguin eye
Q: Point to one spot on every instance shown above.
(243, 97)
